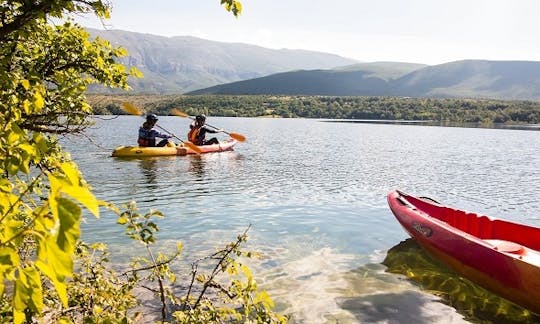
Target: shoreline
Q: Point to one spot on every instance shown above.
(532, 127)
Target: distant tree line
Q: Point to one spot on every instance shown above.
(482, 111)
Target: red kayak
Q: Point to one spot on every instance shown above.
(499, 255)
(221, 147)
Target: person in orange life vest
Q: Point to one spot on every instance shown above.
(147, 135)
(198, 130)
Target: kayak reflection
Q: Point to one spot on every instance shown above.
(150, 172)
(197, 166)
(470, 300)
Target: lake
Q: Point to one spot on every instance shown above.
(314, 193)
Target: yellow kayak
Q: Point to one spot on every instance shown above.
(139, 151)
(170, 149)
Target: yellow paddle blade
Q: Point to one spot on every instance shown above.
(238, 137)
(192, 146)
(131, 109)
(179, 113)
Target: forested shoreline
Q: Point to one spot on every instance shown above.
(481, 111)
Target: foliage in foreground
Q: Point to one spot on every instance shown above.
(220, 288)
(44, 72)
(46, 273)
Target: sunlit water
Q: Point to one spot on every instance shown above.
(315, 195)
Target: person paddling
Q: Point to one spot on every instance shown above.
(147, 133)
(198, 130)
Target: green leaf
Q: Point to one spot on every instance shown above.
(6, 185)
(136, 73)
(73, 187)
(25, 83)
(21, 296)
(18, 316)
(179, 246)
(9, 260)
(264, 298)
(35, 302)
(69, 215)
(122, 220)
(56, 265)
(38, 101)
(98, 246)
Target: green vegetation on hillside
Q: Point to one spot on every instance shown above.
(384, 70)
(377, 108)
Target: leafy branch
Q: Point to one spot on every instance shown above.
(202, 307)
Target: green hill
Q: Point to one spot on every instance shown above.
(474, 78)
(316, 82)
(514, 80)
(383, 70)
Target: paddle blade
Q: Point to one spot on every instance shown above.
(179, 113)
(238, 137)
(131, 109)
(193, 147)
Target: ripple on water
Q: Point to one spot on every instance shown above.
(316, 200)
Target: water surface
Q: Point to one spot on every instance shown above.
(315, 195)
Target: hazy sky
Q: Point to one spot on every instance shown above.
(419, 31)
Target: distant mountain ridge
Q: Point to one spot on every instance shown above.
(475, 78)
(190, 65)
(362, 79)
(184, 63)
(509, 80)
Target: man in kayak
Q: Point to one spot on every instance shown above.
(198, 130)
(147, 135)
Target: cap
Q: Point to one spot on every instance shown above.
(151, 117)
(200, 118)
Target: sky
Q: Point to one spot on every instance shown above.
(416, 31)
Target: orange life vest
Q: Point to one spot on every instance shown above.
(193, 135)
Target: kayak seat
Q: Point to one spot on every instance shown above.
(507, 246)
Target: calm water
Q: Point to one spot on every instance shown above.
(315, 195)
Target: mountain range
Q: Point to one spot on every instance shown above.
(190, 65)
(507, 80)
(173, 65)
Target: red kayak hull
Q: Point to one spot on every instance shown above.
(501, 256)
(221, 147)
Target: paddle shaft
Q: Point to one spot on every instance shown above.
(170, 133)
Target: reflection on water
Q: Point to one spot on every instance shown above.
(197, 166)
(471, 300)
(149, 170)
(400, 307)
(438, 123)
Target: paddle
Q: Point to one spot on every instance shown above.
(132, 110)
(236, 136)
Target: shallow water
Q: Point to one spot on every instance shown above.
(315, 195)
